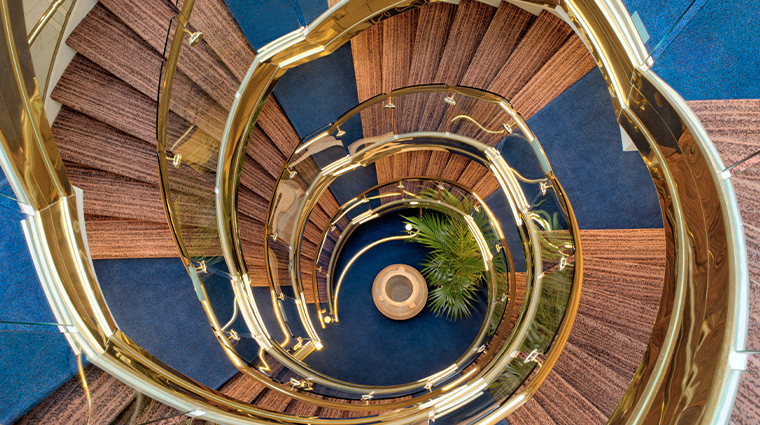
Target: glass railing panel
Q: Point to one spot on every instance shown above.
(194, 210)
(378, 123)
(217, 284)
(45, 24)
(517, 151)
(424, 111)
(557, 251)
(492, 396)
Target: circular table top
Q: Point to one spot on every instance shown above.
(399, 291)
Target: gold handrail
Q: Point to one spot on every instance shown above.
(40, 183)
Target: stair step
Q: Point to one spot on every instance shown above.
(89, 142)
(91, 90)
(465, 35)
(139, 66)
(565, 405)
(507, 26)
(571, 62)
(429, 44)
(151, 21)
(532, 412)
(116, 238)
(591, 379)
(223, 35)
(542, 40)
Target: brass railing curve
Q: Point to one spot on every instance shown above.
(57, 245)
(369, 155)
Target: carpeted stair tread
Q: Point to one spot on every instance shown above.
(571, 62)
(429, 46)
(116, 238)
(151, 21)
(139, 65)
(591, 379)
(93, 91)
(532, 412)
(301, 408)
(152, 412)
(272, 400)
(565, 405)
(620, 352)
(113, 195)
(631, 307)
(93, 144)
(747, 404)
(397, 44)
(635, 246)
(242, 387)
(223, 35)
(426, 30)
(84, 140)
(542, 40)
(733, 126)
(68, 404)
(507, 26)
(465, 34)
(117, 196)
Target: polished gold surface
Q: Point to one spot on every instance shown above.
(44, 19)
(684, 376)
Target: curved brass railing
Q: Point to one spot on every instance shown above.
(683, 163)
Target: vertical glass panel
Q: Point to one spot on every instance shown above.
(221, 296)
(45, 45)
(557, 253)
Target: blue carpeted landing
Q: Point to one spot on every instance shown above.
(263, 21)
(368, 348)
(607, 187)
(707, 49)
(155, 304)
(34, 359)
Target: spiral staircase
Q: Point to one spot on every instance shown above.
(106, 135)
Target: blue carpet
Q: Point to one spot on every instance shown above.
(154, 303)
(263, 21)
(34, 359)
(316, 94)
(367, 347)
(607, 187)
(658, 17)
(715, 56)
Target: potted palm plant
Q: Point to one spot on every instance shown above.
(454, 267)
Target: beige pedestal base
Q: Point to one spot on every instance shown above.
(399, 292)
